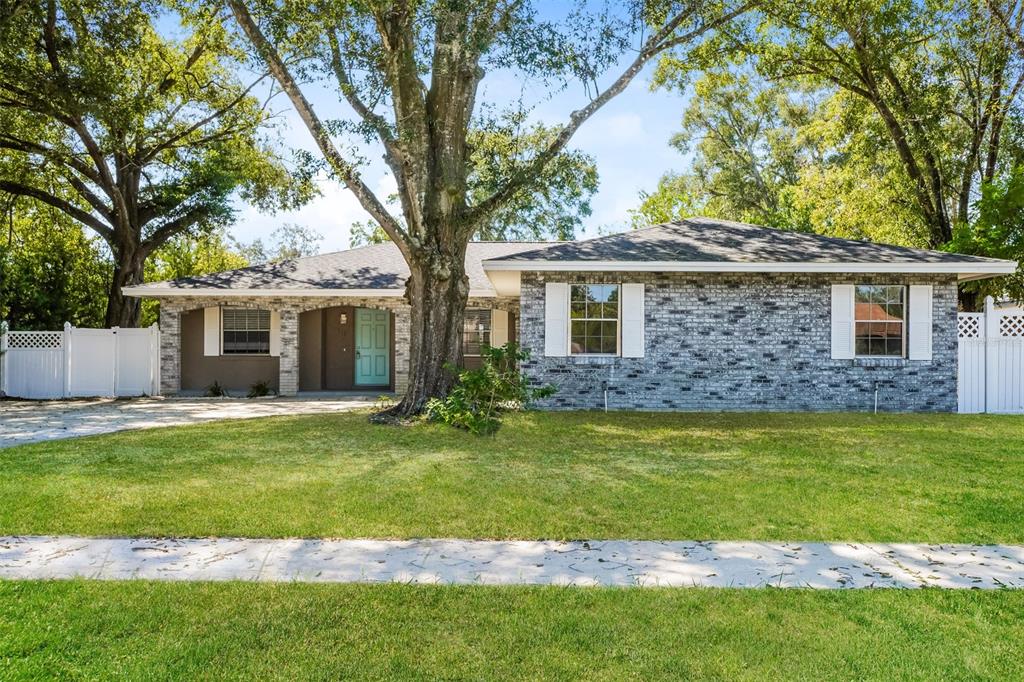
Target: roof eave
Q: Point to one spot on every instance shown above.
(971, 269)
(144, 291)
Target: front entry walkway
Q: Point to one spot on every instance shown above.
(611, 563)
(23, 421)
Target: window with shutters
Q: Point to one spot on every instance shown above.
(880, 315)
(246, 331)
(594, 319)
(476, 331)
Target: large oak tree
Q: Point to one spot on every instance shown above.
(136, 136)
(410, 74)
(941, 78)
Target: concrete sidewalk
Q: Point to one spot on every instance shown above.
(480, 562)
(24, 421)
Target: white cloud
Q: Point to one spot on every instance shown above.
(330, 214)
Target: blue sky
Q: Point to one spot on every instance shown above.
(628, 138)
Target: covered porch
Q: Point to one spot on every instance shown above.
(321, 346)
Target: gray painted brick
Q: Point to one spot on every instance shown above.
(742, 342)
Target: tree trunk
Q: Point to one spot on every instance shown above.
(437, 291)
(124, 311)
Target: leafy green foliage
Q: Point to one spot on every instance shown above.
(215, 390)
(554, 208)
(139, 135)
(883, 120)
(51, 272)
(481, 395)
(259, 389)
(998, 232)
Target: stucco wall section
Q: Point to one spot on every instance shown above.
(289, 307)
(742, 342)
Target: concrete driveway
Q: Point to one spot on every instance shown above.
(24, 421)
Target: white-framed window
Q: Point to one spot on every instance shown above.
(880, 320)
(594, 319)
(476, 331)
(245, 331)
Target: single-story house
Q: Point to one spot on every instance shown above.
(699, 314)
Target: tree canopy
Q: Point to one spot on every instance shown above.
(136, 135)
(879, 119)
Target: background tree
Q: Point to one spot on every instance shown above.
(916, 115)
(941, 79)
(50, 271)
(410, 72)
(748, 145)
(287, 242)
(147, 137)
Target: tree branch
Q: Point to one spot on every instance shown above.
(1012, 32)
(655, 45)
(174, 227)
(170, 142)
(346, 170)
(70, 209)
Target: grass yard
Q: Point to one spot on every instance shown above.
(944, 478)
(139, 630)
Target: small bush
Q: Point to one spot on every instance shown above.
(259, 389)
(215, 390)
(383, 402)
(481, 395)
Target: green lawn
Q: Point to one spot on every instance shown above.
(577, 475)
(140, 630)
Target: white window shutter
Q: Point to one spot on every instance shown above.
(275, 333)
(556, 319)
(842, 321)
(919, 335)
(499, 328)
(632, 306)
(211, 331)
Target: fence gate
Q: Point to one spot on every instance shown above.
(991, 361)
(79, 363)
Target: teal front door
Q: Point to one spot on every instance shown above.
(373, 347)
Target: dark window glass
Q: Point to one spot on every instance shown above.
(246, 331)
(594, 313)
(476, 330)
(879, 320)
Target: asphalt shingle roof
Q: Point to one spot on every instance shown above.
(380, 266)
(710, 240)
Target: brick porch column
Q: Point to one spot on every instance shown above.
(403, 337)
(170, 349)
(288, 378)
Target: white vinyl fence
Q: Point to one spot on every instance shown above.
(991, 360)
(80, 363)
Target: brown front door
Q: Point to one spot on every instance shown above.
(339, 348)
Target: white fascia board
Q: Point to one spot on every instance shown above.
(155, 292)
(971, 269)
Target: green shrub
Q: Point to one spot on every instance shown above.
(215, 390)
(259, 389)
(481, 395)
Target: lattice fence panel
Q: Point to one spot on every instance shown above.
(968, 326)
(1011, 326)
(35, 340)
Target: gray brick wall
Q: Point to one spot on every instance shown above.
(742, 342)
